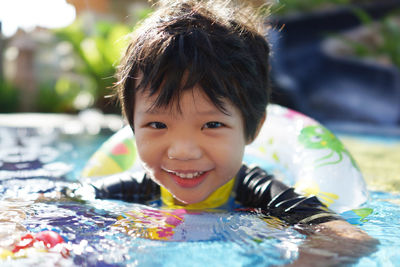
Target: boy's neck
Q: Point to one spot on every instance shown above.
(217, 199)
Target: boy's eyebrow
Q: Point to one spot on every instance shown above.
(213, 112)
(156, 111)
(151, 112)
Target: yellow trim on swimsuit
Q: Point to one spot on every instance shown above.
(218, 198)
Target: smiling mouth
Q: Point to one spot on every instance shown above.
(189, 179)
(190, 175)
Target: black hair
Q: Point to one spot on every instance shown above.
(188, 43)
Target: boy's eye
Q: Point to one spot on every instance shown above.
(213, 125)
(157, 125)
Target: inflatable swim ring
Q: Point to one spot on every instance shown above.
(295, 148)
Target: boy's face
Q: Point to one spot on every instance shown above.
(192, 152)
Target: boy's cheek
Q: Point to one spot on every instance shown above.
(144, 149)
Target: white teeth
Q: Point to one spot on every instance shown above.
(188, 175)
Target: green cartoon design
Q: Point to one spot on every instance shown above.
(318, 137)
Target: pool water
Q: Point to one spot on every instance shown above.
(37, 164)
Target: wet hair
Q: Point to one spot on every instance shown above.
(213, 44)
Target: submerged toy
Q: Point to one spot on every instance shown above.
(292, 146)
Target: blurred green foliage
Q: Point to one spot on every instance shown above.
(300, 6)
(384, 36)
(389, 26)
(98, 47)
(391, 40)
(94, 49)
(58, 96)
(98, 51)
(8, 97)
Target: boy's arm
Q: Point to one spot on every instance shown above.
(331, 241)
(334, 243)
(126, 186)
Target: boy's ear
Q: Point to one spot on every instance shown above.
(259, 126)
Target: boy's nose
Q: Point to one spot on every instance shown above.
(184, 150)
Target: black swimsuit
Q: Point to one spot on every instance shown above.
(254, 188)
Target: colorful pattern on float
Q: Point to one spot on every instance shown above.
(118, 154)
(293, 147)
(318, 137)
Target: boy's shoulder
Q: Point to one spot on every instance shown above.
(255, 188)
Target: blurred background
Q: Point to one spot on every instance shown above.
(335, 60)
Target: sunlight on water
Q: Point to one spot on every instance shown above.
(10, 229)
(35, 168)
(97, 236)
(199, 238)
(385, 226)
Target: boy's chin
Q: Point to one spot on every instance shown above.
(183, 201)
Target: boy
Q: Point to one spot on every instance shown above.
(194, 86)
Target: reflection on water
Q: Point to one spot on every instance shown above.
(36, 165)
(98, 235)
(12, 215)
